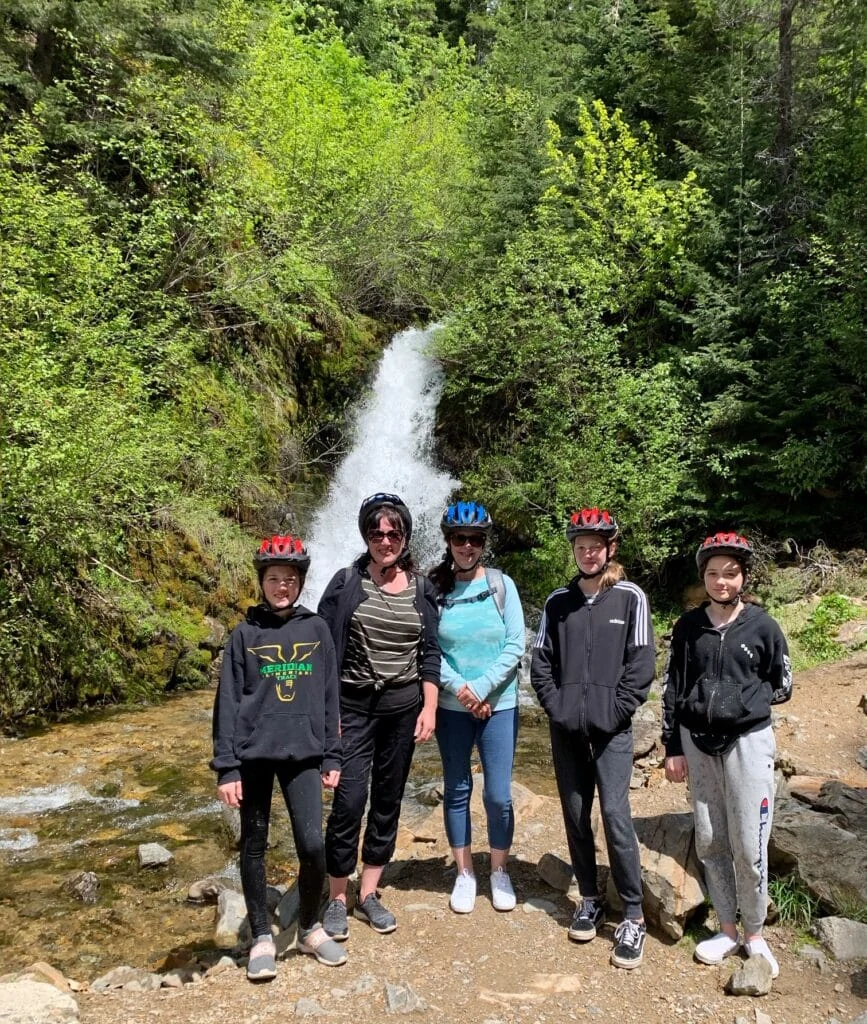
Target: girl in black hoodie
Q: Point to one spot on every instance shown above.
(276, 714)
(728, 664)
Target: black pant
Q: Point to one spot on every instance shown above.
(377, 752)
(582, 765)
(301, 785)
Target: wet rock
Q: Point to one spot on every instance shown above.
(307, 1008)
(673, 877)
(206, 890)
(35, 1002)
(83, 885)
(232, 821)
(232, 927)
(844, 939)
(554, 871)
(130, 979)
(753, 978)
(152, 855)
(288, 907)
(402, 999)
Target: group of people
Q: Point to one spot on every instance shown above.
(340, 698)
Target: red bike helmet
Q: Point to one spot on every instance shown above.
(282, 549)
(592, 520)
(732, 544)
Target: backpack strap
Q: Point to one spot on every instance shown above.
(494, 578)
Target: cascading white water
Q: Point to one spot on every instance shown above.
(391, 451)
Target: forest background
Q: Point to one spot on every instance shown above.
(643, 221)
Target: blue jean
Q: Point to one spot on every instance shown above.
(495, 737)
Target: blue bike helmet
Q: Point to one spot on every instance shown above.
(382, 499)
(465, 515)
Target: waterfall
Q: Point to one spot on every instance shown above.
(391, 451)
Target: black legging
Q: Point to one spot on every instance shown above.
(301, 785)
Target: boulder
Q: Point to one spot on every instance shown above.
(232, 927)
(555, 871)
(152, 855)
(753, 978)
(46, 974)
(83, 885)
(836, 797)
(645, 730)
(844, 939)
(831, 860)
(34, 1002)
(206, 890)
(673, 876)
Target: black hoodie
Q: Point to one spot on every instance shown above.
(721, 684)
(278, 694)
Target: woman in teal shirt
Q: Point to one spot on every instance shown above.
(481, 636)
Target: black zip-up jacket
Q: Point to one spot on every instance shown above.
(278, 696)
(593, 662)
(344, 594)
(722, 684)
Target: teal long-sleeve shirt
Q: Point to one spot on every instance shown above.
(479, 647)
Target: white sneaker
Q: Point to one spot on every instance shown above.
(716, 949)
(758, 947)
(463, 897)
(502, 893)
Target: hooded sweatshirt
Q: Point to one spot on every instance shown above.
(278, 694)
(720, 684)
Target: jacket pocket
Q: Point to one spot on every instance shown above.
(718, 700)
(282, 736)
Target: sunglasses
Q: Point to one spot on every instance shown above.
(378, 536)
(475, 540)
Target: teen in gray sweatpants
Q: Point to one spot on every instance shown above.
(728, 664)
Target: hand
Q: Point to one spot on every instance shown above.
(468, 700)
(676, 768)
(425, 724)
(482, 710)
(230, 793)
(331, 779)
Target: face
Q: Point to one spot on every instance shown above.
(281, 585)
(466, 547)
(386, 542)
(723, 577)
(590, 552)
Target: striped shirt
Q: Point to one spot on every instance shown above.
(382, 646)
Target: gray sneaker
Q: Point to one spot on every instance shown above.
(334, 920)
(372, 911)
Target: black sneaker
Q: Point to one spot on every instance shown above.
(629, 939)
(372, 911)
(334, 920)
(589, 915)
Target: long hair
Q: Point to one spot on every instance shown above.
(443, 574)
(614, 573)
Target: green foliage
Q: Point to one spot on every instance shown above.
(816, 641)
(796, 905)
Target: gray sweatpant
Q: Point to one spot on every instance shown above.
(733, 800)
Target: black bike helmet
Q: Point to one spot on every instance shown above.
(465, 515)
(383, 500)
(592, 520)
(732, 544)
(282, 549)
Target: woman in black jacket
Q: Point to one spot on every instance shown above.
(728, 664)
(383, 617)
(593, 663)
